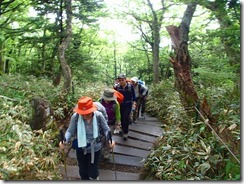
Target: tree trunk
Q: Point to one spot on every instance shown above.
(63, 46)
(156, 43)
(182, 61)
(156, 26)
(182, 66)
(184, 84)
(1, 60)
(155, 23)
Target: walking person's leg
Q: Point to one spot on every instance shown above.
(138, 107)
(127, 111)
(93, 171)
(82, 163)
(135, 111)
(122, 112)
(143, 107)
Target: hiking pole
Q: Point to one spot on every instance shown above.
(63, 152)
(115, 173)
(110, 139)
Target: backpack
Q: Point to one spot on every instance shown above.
(75, 141)
(140, 87)
(120, 96)
(127, 88)
(141, 82)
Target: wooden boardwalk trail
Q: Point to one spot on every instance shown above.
(130, 154)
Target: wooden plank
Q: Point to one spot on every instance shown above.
(151, 123)
(105, 175)
(120, 159)
(146, 129)
(150, 118)
(127, 160)
(137, 135)
(133, 143)
(72, 153)
(156, 124)
(131, 151)
(121, 150)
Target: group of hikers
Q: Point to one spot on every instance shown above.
(94, 122)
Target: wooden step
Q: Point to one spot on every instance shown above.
(137, 161)
(133, 143)
(105, 175)
(131, 151)
(147, 122)
(120, 150)
(150, 118)
(146, 129)
(127, 160)
(143, 137)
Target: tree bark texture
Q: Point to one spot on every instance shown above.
(63, 46)
(182, 70)
(184, 84)
(156, 26)
(40, 114)
(1, 60)
(182, 66)
(182, 61)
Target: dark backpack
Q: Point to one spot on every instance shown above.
(128, 87)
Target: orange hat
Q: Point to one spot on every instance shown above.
(85, 106)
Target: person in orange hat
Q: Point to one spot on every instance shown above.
(90, 125)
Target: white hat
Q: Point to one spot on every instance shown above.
(135, 79)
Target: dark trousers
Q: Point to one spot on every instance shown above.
(143, 105)
(87, 170)
(135, 113)
(125, 110)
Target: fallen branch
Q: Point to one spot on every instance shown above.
(8, 98)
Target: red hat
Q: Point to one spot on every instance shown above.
(85, 106)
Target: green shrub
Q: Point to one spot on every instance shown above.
(188, 150)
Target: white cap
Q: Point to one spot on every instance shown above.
(135, 79)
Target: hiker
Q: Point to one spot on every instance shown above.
(87, 130)
(112, 107)
(110, 103)
(141, 92)
(100, 108)
(127, 90)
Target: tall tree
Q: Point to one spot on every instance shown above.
(63, 46)
(152, 38)
(182, 68)
(182, 60)
(155, 25)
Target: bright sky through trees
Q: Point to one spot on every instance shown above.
(120, 30)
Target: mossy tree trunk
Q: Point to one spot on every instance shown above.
(63, 46)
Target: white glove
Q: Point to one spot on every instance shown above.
(117, 127)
